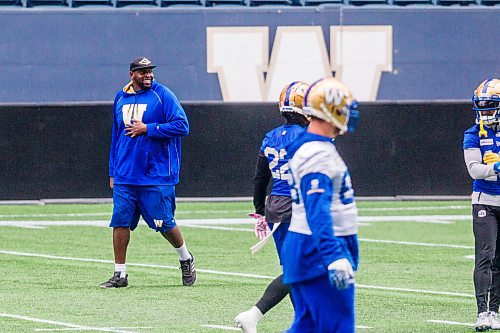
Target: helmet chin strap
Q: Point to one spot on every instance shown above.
(482, 131)
(493, 125)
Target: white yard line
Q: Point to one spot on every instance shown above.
(229, 328)
(53, 215)
(105, 223)
(101, 261)
(396, 209)
(52, 322)
(452, 246)
(82, 329)
(200, 224)
(242, 211)
(220, 327)
(216, 228)
(368, 240)
(450, 322)
(209, 271)
(418, 291)
(28, 224)
(434, 219)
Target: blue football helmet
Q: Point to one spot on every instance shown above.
(292, 97)
(332, 101)
(486, 102)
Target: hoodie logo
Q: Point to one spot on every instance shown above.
(133, 111)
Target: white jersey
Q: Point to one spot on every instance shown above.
(322, 157)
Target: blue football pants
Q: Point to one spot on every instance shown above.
(320, 307)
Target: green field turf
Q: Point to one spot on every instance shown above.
(411, 272)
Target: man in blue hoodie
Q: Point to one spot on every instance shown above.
(144, 164)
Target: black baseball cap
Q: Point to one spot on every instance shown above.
(141, 63)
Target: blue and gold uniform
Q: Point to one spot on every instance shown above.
(278, 207)
(276, 211)
(320, 252)
(487, 142)
(481, 148)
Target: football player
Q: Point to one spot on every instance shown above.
(481, 148)
(272, 162)
(320, 251)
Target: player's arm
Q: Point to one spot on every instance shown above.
(112, 149)
(261, 180)
(317, 192)
(480, 167)
(176, 124)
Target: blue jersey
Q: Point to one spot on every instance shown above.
(153, 158)
(325, 218)
(489, 143)
(273, 148)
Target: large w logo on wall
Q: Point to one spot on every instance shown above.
(240, 57)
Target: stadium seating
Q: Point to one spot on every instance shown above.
(321, 2)
(455, 2)
(240, 3)
(368, 2)
(11, 3)
(33, 3)
(122, 3)
(213, 3)
(166, 3)
(411, 2)
(271, 2)
(78, 3)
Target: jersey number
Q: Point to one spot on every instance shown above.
(277, 172)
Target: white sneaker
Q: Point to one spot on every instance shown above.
(494, 320)
(248, 320)
(483, 322)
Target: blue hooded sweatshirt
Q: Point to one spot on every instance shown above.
(153, 158)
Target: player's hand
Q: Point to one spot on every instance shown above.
(490, 158)
(261, 227)
(111, 182)
(135, 128)
(341, 274)
(496, 167)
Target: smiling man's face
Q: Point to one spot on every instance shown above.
(142, 78)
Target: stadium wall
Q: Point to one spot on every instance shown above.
(61, 151)
(383, 53)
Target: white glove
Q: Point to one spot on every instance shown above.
(261, 227)
(341, 274)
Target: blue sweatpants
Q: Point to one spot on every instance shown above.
(320, 307)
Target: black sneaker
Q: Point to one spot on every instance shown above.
(188, 271)
(115, 282)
